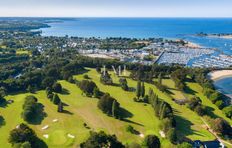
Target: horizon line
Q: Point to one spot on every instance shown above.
(112, 17)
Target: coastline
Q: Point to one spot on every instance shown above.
(219, 74)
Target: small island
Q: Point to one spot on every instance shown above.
(215, 35)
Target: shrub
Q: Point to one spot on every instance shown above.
(86, 77)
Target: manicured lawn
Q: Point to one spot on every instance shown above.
(172, 90)
(81, 109)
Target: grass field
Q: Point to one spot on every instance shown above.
(82, 110)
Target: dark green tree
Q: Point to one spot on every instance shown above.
(142, 90)
(56, 99)
(60, 107)
(101, 140)
(151, 141)
(57, 87)
(138, 90)
(23, 134)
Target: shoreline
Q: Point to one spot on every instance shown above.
(219, 74)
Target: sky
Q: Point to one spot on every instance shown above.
(116, 8)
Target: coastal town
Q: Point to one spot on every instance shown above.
(166, 53)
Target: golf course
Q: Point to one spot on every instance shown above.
(81, 114)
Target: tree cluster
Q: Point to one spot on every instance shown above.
(105, 78)
(100, 140)
(24, 136)
(109, 106)
(195, 104)
(221, 127)
(140, 92)
(123, 84)
(164, 111)
(89, 88)
(31, 109)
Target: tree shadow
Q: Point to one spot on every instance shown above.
(184, 127)
(40, 115)
(210, 112)
(169, 92)
(129, 121)
(64, 104)
(115, 84)
(2, 121)
(67, 112)
(65, 91)
(40, 143)
(125, 113)
(131, 89)
(188, 90)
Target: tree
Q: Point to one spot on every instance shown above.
(96, 92)
(2, 100)
(138, 90)
(109, 105)
(151, 141)
(23, 134)
(160, 78)
(101, 140)
(30, 109)
(106, 79)
(130, 129)
(56, 99)
(172, 136)
(86, 77)
(123, 83)
(115, 109)
(87, 87)
(60, 107)
(221, 126)
(23, 145)
(228, 111)
(142, 90)
(57, 87)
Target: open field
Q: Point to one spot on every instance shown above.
(81, 109)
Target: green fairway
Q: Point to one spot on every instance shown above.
(172, 90)
(214, 112)
(81, 109)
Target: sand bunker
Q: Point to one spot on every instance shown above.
(45, 127)
(71, 136)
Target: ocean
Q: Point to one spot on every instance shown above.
(224, 85)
